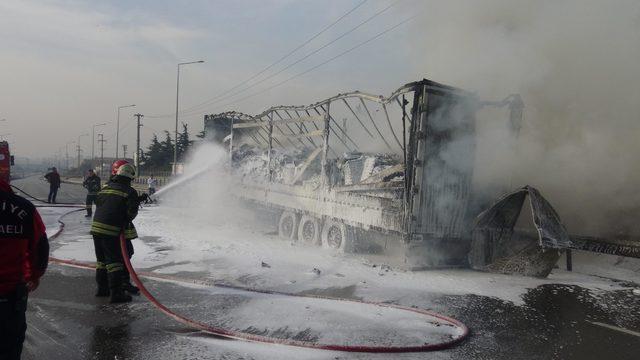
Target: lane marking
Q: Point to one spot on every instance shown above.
(616, 328)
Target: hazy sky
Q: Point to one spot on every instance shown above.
(67, 64)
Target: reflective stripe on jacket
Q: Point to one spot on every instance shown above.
(116, 207)
(24, 247)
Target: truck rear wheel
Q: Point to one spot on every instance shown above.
(288, 225)
(309, 230)
(336, 235)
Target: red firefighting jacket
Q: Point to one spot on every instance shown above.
(24, 247)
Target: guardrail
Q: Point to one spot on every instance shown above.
(162, 180)
(139, 184)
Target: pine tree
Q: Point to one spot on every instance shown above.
(166, 150)
(183, 142)
(159, 154)
(153, 156)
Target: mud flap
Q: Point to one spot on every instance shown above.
(497, 246)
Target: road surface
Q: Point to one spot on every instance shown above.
(550, 321)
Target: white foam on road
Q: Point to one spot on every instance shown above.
(200, 229)
(223, 251)
(321, 320)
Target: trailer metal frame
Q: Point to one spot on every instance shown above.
(374, 205)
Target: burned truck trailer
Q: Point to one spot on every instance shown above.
(393, 175)
(365, 173)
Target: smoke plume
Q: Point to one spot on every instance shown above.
(576, 64)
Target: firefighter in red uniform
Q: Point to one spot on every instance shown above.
(24, 255)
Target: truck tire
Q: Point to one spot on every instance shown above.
(337, 236)
(288, 225)
(309, 230)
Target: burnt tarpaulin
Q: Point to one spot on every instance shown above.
(552, 234)
(498, 246)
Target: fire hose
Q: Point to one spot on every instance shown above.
(463, 331)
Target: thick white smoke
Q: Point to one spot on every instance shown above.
(205, 192)
(576, 64)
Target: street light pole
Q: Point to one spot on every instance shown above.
(59, 158)
(175, 140)
(137, 156)
(79, 136)
(118, 126)
(93, 142)
(101, 141)
(66, 147)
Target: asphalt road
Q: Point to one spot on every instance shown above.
(37, 186)
(65, 320)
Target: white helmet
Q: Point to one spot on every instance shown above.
(127, 170)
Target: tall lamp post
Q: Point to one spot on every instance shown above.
(118, 126)
(60, 158)
(93, 142)
(79, 136)
(101, 141)
(66, 149)
(175, 145)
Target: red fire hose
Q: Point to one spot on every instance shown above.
(238, 335)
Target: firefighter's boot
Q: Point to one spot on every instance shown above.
(102, 279)
(128, 286)
(116, 285)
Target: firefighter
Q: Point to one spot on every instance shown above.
(24, 254)
(127, 283)
(92, 184)
(116, 207)
(53, 178)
